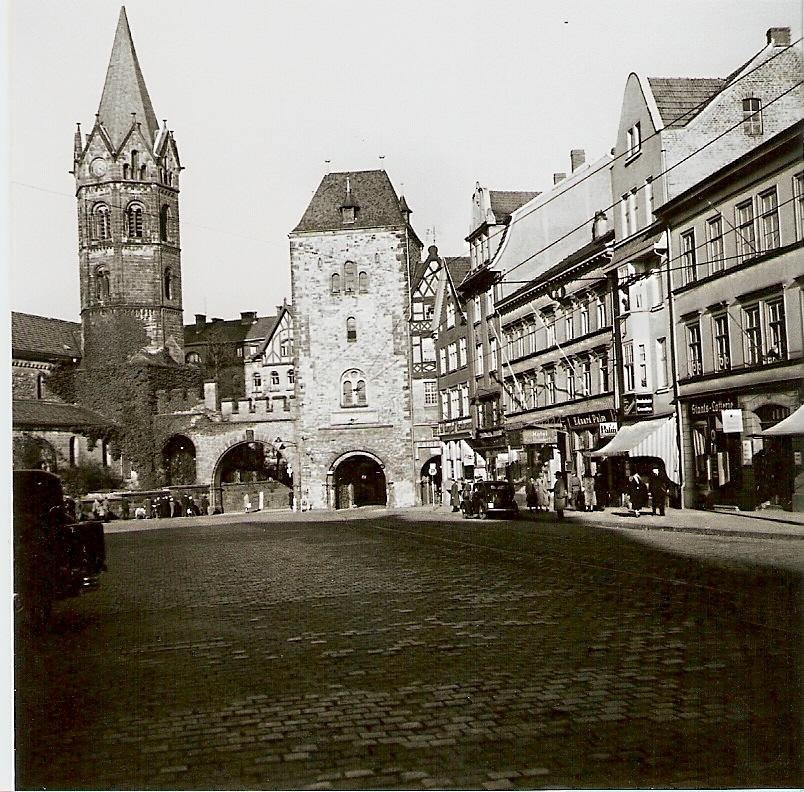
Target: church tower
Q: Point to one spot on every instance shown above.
(127, 186)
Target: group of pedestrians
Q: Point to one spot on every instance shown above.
(638, 491)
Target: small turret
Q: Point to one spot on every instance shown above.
(405, 209)
(78, 144)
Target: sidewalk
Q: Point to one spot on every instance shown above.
(767, 523)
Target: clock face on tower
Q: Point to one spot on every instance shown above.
(98, 167)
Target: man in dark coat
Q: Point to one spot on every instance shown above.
(637, 493)
(658, 492)
(455, 496)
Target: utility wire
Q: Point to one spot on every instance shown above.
(692, 111)
(654, 177)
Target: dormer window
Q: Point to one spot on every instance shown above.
(752, 116)
(348, 214)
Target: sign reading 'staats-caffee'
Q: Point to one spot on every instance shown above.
(712, 406)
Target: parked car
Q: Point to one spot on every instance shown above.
(54, 556)
(490, 498)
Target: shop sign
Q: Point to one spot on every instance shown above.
(705, 407)
(748, 452)
(732, 420)
(539, 436)
(586, 420)
(638, 404)
(607, 428)
(432, 470)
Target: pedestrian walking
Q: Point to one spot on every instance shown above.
(637, 492)
(574, 490)
(125, 508)
(542, 494)
(246, 503)
(559, 495)
(658, 492)
(531, 496)
(455, 496)
(205, 504)
(588, 489)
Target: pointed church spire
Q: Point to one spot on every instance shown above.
(124, 92)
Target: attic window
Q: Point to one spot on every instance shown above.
(634, 140)
(752, 116)
(348, 214)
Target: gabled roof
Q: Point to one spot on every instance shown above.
(46, 414)
(41, 336)
(229, 331)
(458, 267)
(370, 191)
(680, 97)
(124, 90)
(505, 202)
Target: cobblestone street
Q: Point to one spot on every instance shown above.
(417, 651)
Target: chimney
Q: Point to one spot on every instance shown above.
(577, 158)
(779, 37)
(200, 321)
(248, 317)
(559, 177)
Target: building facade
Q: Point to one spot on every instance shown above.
(352, 257)
(736, 278)
(554, 309)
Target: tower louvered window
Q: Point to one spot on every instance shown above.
(353, 389)
(134, 221)
(168, 284)
(101, 225)
(165, 220)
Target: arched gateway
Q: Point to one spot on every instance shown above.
(358, 479)
(252, 473)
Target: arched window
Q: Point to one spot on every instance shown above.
(142, 172)
(335, 283)
(134, 221)
(125, 170)
(351, 329)
(135, 165)
(353, 389)
(168, 283)
(40, 386)
(256, 382)
(291, 376)
(274, 378)
(362, 282)
(193, 358)
(101, 284)
(165, 220)
(101, 224)
(349, 275)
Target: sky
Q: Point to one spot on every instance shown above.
(264, 97)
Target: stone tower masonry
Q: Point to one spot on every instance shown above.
(127, 186)
(351, 257)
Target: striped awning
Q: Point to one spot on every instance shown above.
(651, 438)
(792, 425)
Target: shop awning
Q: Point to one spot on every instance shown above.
(653, 438)
(792, 425)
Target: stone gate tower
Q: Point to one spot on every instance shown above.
(351, 257)
(127, 186)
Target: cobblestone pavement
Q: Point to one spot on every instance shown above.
(415, 652)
